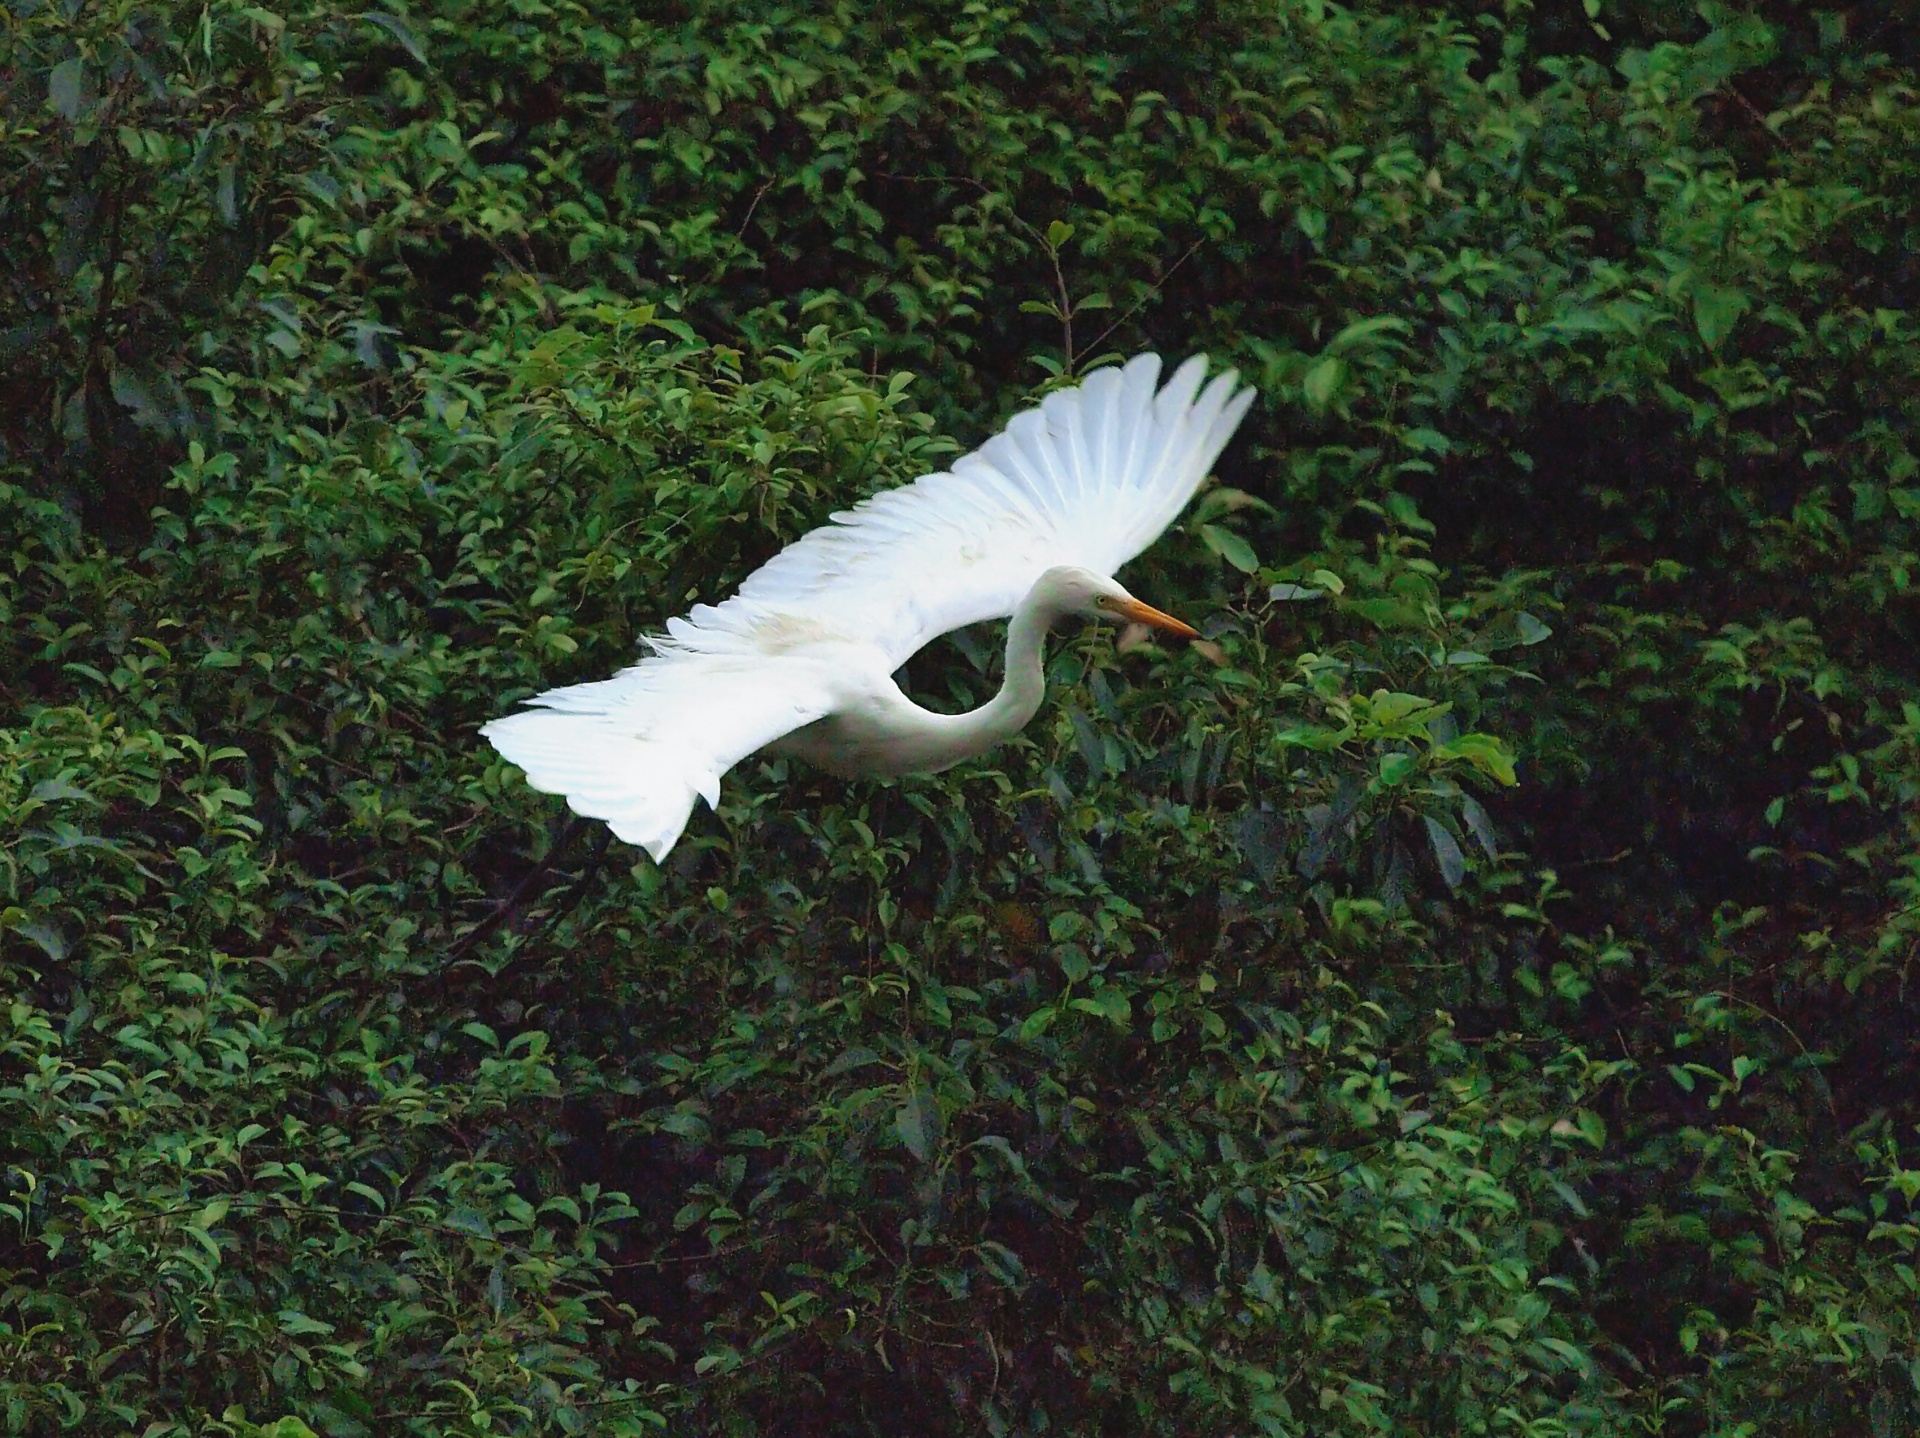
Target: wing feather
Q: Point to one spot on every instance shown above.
(1089, 477)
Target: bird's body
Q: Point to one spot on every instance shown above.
(877, 732)
(801, 660)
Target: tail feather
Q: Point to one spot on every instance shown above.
(644, 790)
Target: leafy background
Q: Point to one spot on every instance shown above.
(1478, 1004)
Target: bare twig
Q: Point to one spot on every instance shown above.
(508, 908)
(741, 233)
(1760, 119)
(1066, 309)
(1152, 293)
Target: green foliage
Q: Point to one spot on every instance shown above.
(1475, 1003)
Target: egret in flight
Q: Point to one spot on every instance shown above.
(800, 661)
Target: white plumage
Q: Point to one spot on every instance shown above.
(1031, 525)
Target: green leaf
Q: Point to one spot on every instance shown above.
(1230, 547)
(1575, 1204)
(66, 88)
(369, 1193)
(1362, 332)
(1295, 593)
(857, 1057)
(918, 1123)
(1037, 1023)
(1310, 736)
(1479, 825)
(399, 30)
(1391, 709)
(1107, 1002)
(469, 1220)
(477, 1030)
(58, 788)
(1323, 381)
(1446, 852)
(49, 940)
(1485, 753)
(1716, 309)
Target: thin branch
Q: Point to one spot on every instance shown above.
(1066, 309)
(741, 233)
(508, 907)
(1152, 293)
(570, 900)
(394, 1415)
(246, 1204)
(1760, 119)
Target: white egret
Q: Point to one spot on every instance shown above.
(1031, 525)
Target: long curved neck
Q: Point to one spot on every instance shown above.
(1024, 685)
(930, 741)
(898, 736)
(910, 739)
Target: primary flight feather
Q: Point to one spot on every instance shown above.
(1031, 525)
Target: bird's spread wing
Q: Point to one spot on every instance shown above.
(1090, 478)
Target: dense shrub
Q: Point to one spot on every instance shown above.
(1478, 1003)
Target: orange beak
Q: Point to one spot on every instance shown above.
(1135, 612)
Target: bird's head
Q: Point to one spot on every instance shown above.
(1069, 589)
